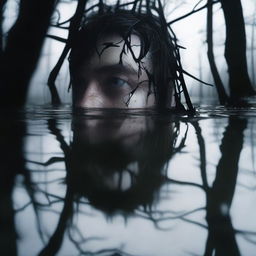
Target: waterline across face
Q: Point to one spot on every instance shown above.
(105, 82)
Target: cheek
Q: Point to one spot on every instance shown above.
(151, 100)
(97, 97)
(116, 94)
(77, 96)
(140, 99)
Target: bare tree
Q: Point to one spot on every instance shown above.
(252, 45)
(235, 51)
(223, 98)
(75, 23)
(11, 163)
(22, 51)
(2, 7)
(221, 236)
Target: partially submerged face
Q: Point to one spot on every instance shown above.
(105, 82)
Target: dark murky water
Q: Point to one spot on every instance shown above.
(137, 183)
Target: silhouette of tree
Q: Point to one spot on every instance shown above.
(11, 163)
(22, 50)
(25, 39)
(252, 46)
(221, 237)
(235, 51)
(2, 7)
(75, 23)
(223, 98)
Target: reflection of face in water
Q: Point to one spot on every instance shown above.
(105, 82)
(119, 163)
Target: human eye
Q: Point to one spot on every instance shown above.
(117, 82)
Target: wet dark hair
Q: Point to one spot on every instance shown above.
(166, 77)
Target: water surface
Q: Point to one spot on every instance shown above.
(138, 183)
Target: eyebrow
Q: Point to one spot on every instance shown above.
(117, 68)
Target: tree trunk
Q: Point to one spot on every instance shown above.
(221, 237)
(24, 43)
(2, 7)
(223, 98)
(252, 45)
(235, 50)
(73, 28)
(12, 162)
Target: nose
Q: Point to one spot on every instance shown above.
(93, 96)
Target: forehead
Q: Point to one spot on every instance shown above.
(111, 49)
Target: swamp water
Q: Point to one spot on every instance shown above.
(137, 183)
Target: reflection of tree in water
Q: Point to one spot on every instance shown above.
(96, 165)
(12, 163)
(88, 184)
(221, 235)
